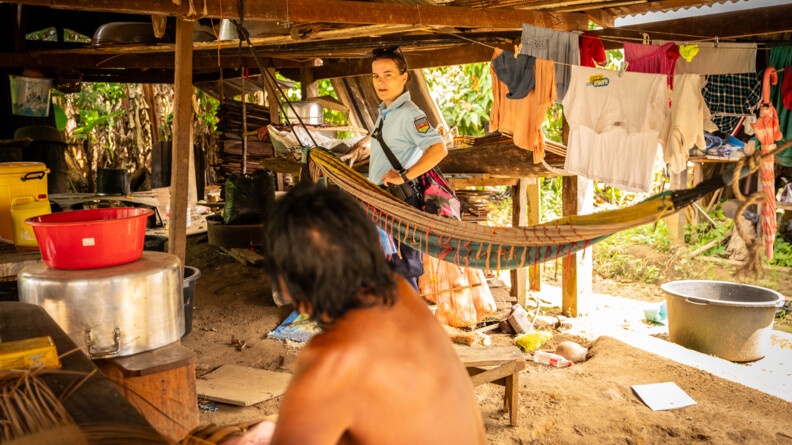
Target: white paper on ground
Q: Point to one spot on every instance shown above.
(662, 396)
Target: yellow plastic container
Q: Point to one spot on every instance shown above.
(34, 352)
(19, 179)
(22, 208)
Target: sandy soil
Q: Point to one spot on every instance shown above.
(591, 402)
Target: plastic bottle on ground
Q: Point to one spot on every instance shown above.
(550, 359)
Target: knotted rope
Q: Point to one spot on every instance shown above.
(752, 163)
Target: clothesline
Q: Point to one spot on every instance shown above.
(700, 39)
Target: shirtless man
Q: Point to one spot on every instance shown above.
(383, 371)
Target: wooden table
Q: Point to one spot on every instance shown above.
(500, 365)
(96, 400)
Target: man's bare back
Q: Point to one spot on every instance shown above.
(381, 375)
(383, 371)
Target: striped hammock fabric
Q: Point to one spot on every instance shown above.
(499, 248)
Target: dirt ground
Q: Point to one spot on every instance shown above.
(591, 402)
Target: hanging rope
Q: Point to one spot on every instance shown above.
(751, 164)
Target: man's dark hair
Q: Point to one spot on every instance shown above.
(394, 53)
(320, 242)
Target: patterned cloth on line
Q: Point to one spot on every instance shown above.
(734, 94)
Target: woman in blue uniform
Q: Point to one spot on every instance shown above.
(405, 130)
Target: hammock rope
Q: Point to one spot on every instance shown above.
(499, 248)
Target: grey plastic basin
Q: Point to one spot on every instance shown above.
(732, 321)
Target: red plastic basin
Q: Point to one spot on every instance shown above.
(90, 239)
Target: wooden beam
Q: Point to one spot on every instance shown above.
(601, 17)
(347, 12)
(481, 181)
(676, 222)
(309, 87)
(578, 198)
(456, 55)
(532, 198)
(519, 276)
(498, 159)
(725, 25)
(182, 140)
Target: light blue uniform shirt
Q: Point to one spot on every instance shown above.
(407, 133)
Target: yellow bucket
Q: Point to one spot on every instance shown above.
(22, 208)
(19, 179)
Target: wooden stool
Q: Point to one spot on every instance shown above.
(161, 385)
(500, 365)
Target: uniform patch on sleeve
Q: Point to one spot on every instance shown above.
(421, 124)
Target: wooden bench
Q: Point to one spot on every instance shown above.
(500, 365)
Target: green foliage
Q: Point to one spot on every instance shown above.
(613, 262)
(207, 109)
(331, 117)
(44, 35)
(550, 199)
(464, 95)
(51, 35)
(612, 258)
(90, 120)
(782, 253)
(61, 120)
(500, 208)
(552, 127)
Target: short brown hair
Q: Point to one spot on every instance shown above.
(393, 53)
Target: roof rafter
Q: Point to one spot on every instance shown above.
(332, 11)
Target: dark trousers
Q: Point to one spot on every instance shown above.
(409, 265)
(409, 262)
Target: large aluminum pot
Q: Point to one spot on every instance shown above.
(112, 311)
(311, 113)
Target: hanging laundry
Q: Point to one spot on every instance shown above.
(782, 56)
(767, 132)
(684, 127)
(516, 72)
(657, 59)
(558, 46)
(688, 52)
(786, 90)
(614, 126)
(522, 118)
(592, 51)
(725, 58)
(730, 97)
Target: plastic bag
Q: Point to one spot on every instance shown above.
(462, 295)
(248, 197)
(455, 307)
(482, 296)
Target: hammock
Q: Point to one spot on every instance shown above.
(499, 248)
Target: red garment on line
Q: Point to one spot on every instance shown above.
(655, 59)
(592, 51)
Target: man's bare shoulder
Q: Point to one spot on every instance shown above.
(328, 354)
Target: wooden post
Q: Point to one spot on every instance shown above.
(308, 86)
(182, 139)
(532, 193)
(698, 177)
(519, 219)
(676, 222)
(578, 198)
(273, 97)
